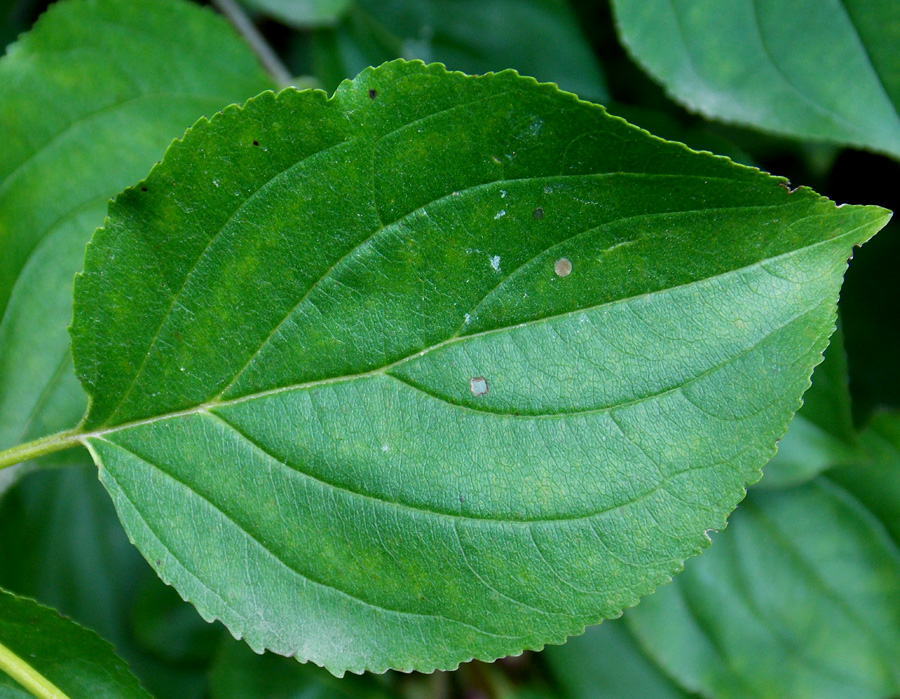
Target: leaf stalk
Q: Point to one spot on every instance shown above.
(28, 676)
(39, 447)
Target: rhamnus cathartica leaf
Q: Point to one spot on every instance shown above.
(444, 366)
(89, 100)
(43, 654)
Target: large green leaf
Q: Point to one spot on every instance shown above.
(819, 69)
(799, 597)
(444, 366)
(468, 35)
(47, 654)
(302, 13)
(89, 100)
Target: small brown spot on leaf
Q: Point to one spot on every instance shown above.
(786, 186)
(373, 94)
(563, 267)
(478, 386)
(538, 213)
(255, 143)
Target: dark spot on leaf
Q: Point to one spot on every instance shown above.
(462, 498)
(563, 267)
(373, 94)
(143, 189)
(538, 213)
(255, 143)
(158, 562)
(478, 386)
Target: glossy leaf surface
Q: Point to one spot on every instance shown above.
(89, 100)
(39, 646)
(444, 366)
(815, 69)
(540, 38)
(799, 597)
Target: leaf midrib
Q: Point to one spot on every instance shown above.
(657, 487)
(81, 434)
(378, 230)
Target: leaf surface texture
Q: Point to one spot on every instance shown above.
(443, 366)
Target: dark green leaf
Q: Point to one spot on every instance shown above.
(817, 69)
(88, 101)
(540, 38)
(42, 649)
(444, 366)
(799, 597)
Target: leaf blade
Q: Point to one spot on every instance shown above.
(333, 426)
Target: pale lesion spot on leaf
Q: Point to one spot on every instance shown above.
(478, 385)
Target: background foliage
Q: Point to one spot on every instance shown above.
(798, 597)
